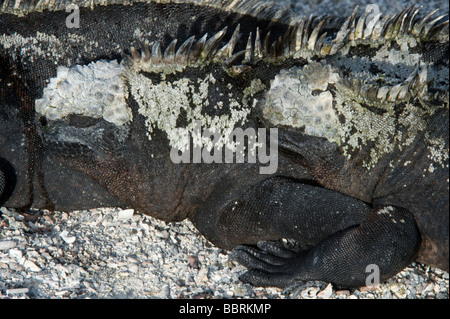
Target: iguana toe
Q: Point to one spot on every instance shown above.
(269, 265)
(260, 278)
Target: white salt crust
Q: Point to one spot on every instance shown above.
(290, 100)
(95, 90)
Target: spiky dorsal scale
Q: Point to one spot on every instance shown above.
(305, 38)
(308, 44)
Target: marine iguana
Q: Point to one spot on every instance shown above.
(95, 97)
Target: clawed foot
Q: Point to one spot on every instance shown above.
(269, 265)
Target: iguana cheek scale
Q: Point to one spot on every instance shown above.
(360, 105)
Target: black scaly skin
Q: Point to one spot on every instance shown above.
(2, 182)
(343, 217)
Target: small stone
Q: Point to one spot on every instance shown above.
(96, 217)
(126, 214)
(310, 293)
(368, 288)
(15, 266)
(162, 234)
(438, 271)
(145, 226)
(48, 219)
(343, 293)
(228, 294)
(260, 293)
(136, 218)
(7, 244)
(242, 291)
(107, 220)
(133, 267)
(401, 293)
(64, 216)
(326, 293)
(19, 217)
(28, 264)
(202, 275)
(193, 261)
(32, 253)
(62, 293)
(112, 264)
(215, 276)
(67, 239)
(273, 290)
(15, 253)
(436, 289)
(166, 291)
(428, 288)
(394, 288)
(17, 291)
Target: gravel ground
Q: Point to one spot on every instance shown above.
(113, 253)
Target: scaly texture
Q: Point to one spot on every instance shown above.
(359, 105)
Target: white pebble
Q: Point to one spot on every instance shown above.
(15, 253)
(326, 293)
(68, 239)
(16, 291)
(162, 234)
(28, 264)
(126, 214)
(228, 294)
(133, 267)
(7, 244)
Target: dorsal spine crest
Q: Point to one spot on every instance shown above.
(304, 38)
